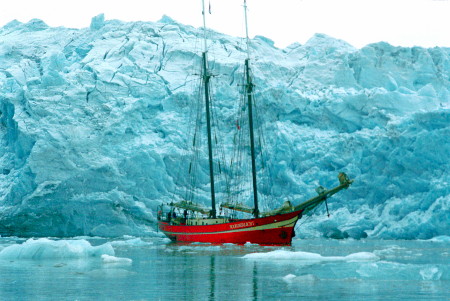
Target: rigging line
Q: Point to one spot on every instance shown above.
(218, 149)
(308, 217)
(243, 173)
(241, 169)
(237, 163)
(219, 152)
(195, 148)
(236, 151)
(192, 187)
(263, 147)
(194, 84)
(248, 94)
(245, 140)
(178, 190)
(265, 162)
(185, 153)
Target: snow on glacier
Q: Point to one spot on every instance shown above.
(92, 126)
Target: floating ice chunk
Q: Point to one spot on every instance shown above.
(362, 256)
(44, 248)
(284, 255)
(117, 260)
(165, 240)
(431, 273)
(193, 248)
(306, 256)
(368, 270)
(291, 278)
(442, 238)
(390, 252)
(288, 278)
(249, 244)
(130, 242)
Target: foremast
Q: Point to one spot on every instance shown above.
(249, 93)
(205, 79)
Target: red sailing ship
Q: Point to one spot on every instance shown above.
(196, 223)
(270, 230)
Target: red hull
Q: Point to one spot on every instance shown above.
(270, 230)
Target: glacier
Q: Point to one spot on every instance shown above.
(92, 127)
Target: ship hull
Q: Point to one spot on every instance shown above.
(270, 230)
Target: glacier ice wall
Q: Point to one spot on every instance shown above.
(91, 127)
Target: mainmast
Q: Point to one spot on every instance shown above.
(206, 77)
(249, 92)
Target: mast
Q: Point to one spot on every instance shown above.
(246, 30)
(206, 77)
(249, 91)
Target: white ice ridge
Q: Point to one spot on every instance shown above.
(44, 248)
(310, 257)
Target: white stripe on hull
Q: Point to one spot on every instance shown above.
(283, 224)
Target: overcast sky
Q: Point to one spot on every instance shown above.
(360, 22)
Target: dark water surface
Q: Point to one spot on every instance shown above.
(389, 270)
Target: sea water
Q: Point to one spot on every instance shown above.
(156, 269)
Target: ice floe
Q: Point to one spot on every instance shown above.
(312, 257)
(116, 260)
(44, 248)
(291, 278)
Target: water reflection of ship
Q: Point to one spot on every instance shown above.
(255, 281)
(206, 272)
(242, 294)
(212, 278)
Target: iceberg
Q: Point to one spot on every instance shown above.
(92, 127)
(310, 257)
(137, 242)
(116, 260)
(44, 248)
(432, 273)
(301, 279)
